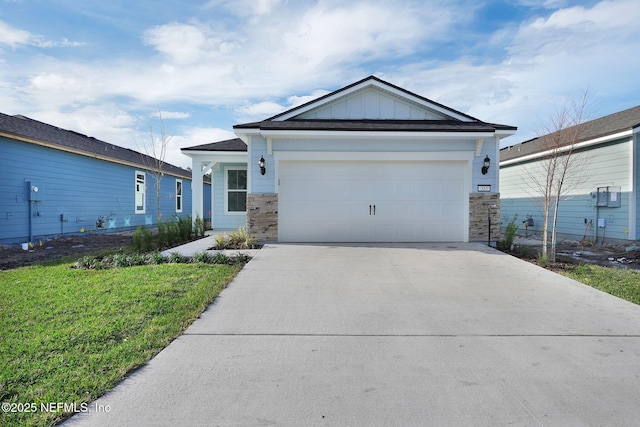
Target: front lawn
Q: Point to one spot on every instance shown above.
(623, 283)
(69, 335)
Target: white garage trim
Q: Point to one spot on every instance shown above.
(371, 156)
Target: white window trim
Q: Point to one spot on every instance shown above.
(226, 189)
(136, 192)
(179, 196)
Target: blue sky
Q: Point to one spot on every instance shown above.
(109, 68)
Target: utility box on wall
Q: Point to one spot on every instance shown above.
(35, 191)
(608, 197)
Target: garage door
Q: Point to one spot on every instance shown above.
(372, 201)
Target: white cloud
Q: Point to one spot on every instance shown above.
(170, 115)
(13, 37)
(245, 7)
(191, 137)
(260, 110)
(271, 55)
(188, 43)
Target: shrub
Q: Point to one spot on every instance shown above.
(221, 241)
(162, 233)
(184, 227)
(203, 257)
(172, 233)
(543, 260)
(240, 239)
(87, 263)
(220, 258)
(142, 239)
(199, 227)
(510, 232)
(155, 257)
(177, 258)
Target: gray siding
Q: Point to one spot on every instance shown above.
(605, 165)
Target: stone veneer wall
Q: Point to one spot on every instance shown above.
(479, 217)
(262, 216)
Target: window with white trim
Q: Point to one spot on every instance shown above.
(235, 187)
(140, 205)
(178, 195)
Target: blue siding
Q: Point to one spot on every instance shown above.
(222, 220)
(261, 184)
(76, 191)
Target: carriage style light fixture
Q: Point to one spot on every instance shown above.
(486, 165)
(263, 169)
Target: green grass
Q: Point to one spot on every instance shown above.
(620, 282)
(69, 335)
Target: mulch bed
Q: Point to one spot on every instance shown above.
(13, 256)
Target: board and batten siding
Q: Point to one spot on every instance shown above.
(371, 104)
(605, 165)
(76, 191)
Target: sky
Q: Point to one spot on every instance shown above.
(121, 70)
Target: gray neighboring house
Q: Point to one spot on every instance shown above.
(604, 205)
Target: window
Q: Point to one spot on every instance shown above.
(235, 189)
(178, 195)
(140, 192)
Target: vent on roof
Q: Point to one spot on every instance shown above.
(19, 116)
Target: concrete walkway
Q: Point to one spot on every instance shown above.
(205, 244)
(433, 334)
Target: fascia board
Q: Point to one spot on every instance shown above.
(579, 145)
(375, 134)
(221, 156)
(374, 156)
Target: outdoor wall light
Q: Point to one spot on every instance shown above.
(263, 169)
(486, 165)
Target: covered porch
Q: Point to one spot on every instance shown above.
(226, 163)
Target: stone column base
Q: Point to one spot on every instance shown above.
(480, 208)
(262, 217)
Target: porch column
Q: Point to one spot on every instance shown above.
(197, 198)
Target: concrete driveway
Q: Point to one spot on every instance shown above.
(428, 334)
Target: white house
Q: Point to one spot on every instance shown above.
(370, 162)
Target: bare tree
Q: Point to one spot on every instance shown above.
(155, 150)
(561, 167)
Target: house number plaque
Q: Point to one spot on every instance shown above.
(484, 188)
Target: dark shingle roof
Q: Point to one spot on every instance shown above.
(377, 125)
(607, 125)
(235, 144)
(37, 132)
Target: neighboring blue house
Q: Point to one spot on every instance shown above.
(370, 162)
(602, 201)
(55, 182)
